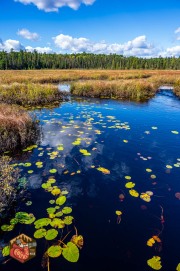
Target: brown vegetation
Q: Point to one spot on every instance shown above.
(29, 94)
(17, 129)
(137, 90)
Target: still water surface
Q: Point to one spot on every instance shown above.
(126, 138)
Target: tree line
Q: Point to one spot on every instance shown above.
(34, 60)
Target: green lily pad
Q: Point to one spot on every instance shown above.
(52, 201)
(61, 200)
(57, 223)
(27, 164)
(42, 222)
(51, 210)
(51, 234)
(14, 221)
(46, 185)
(53, 170)
(56, 191)
(6, 251)
(7, 227)
(59, 214)
(54, 251)
(67, 210)
(40, 233)
(71, 252)
(68, 220)
(25, 218)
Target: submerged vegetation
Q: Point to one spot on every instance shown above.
(17, 128)
(8, 181)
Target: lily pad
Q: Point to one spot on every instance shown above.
(57, 223)
(40, 233)
(42, 222)
(6, 251)
(54, 251)
(53, 170)
(155, 263)
(71, 252)
(7, 227)
(67, 210)
(51, 234)
(68, 220)
(61, 200)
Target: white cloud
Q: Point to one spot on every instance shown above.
(177, 32)
(54, 5)
(11, 44)
(138, 46)
(25, 33)
(42, 50)
(173, 51)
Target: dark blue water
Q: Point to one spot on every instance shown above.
(126, 138)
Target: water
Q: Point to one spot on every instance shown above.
(126, 138)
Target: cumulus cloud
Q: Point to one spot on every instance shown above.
(25, 33)
(54, 5)
(173, 51)
(138, 46)
(177, 32)
(42, 50)
(8, 45)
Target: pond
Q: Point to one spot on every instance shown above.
(109, 156)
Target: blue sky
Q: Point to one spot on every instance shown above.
(140, 28)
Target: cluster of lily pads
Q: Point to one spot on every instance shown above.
(58, 217)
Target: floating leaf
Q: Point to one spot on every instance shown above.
(85, 152)
(150, 242)
(56, 191)
(6, 251)
(148, 170)
(25, 218)
(61, 200)
(129, 185)
(169, 166)
(14, 221)
(42, 222)
(40, 233)
(51, 234)
(54, 251)
(103, 170)
(71, 252)
(51, 210)
(7, 227)
(155, 263)
(27, 164)
(57, 223)
(78, 240)
(30, 171)
(118, 212)
(52, 201)
(133, 193)
(175, 132)
(53, 170)
(67, 210)
(127, 177)
(145, 197)
(28, 203)
(59, 214)
(178, 267)
(51, 181)
(68, 220)
(46, 185)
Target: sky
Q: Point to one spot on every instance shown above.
(132, 28)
